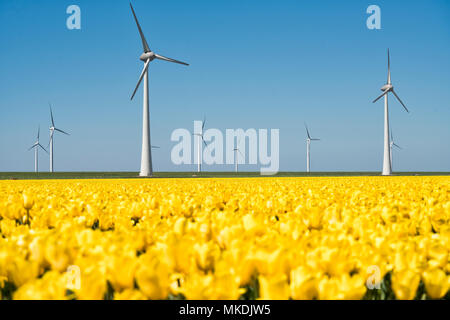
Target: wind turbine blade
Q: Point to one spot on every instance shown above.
(203, 123)
(241, 153)
(397, 146)
(400, 101)
(62, 131)
(51, 114)
(389, 69)
(39, 145)
(156, 147)
(307, 131)
(39, 129)
(204, 142)
(141, 77)
(33, 146)
(51, 138)
(144, 42)
(385, 92)
(160, 57)
(315, 139)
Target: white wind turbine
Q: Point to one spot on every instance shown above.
(308, 144)
(147, 57)
(388, 87)
(52, 132)
(236, 150)
(199, 145)
(36, 146)
(392, 145)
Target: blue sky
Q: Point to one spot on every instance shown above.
(254, 64)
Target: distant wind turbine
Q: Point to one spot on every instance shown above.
(392, 145)
(388, 87)
(52, 132)
(308, 144)
(200, 139)
(147, 57)
(36, 146)
(236, 150)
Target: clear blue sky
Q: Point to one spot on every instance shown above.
(254, 64)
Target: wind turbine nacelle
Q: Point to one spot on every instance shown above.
(147, 55)
(387, 87)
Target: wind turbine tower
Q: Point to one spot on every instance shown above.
(199, 145)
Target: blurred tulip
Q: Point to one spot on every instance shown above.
(405, 284)
(436, 283)
(274, 287)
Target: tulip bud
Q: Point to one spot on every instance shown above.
(28, 201)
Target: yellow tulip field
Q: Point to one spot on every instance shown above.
(226, 238)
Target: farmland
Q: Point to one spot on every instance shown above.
(226, 238)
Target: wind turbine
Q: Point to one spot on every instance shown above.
(36, 146)
(392, 145)
(147, 57)
(388, 87)
(236, 150)
(308, 144)
(199, 145)
(52, 132)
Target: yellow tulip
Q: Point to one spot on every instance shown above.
(226, 287)
(405, 284)
(56, 255)
(92, 286)
(253, 224)
(152, 278)
(198, 286)
(28, 201)
(436, 283)
(274, 287)
(205, 255)
(344, 287)
(20, 271)
(50, 287)
(303, 284)
(121, 272)
(180, 226)
(437, 256)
